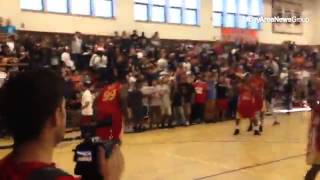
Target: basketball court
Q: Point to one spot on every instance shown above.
(210, 152)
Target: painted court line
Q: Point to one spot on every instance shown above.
(251, 166)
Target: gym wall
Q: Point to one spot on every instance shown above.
(124, 20)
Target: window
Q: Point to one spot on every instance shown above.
(235, 13)
(229, 20)
(175, 15)
(31, 5)
(157, 14)
(190, 17)
(80, 7)
(242, 22)
(191, 13)
(217, 19)
(102, 8)
(217, 5)
(256, 8)
(231, 6)
(141, 12)
(243, 7)
(167, 11)
(98, 8)
(58, 6)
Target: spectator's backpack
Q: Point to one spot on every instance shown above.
(86, 158)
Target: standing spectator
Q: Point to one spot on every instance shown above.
(76, 50)
(143, 41)
(155, 104)
(86, 110)
(187, 92)
(116, 38)
(177, 109)
(222, 98)
(99, 63)
(66, 58)
(155, 40)
(200, 99)
(162, 63)
(9, 28)
(166, 101)
(135, 103)
(125, 44)
(211, 111)
(135, 38)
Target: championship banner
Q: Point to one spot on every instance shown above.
(290, 14)
(240, 35)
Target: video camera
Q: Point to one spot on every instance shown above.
(86, 154)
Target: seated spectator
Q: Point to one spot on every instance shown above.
(36, 118)
(11, 43)
(9, 28)
(3, 76)
(1, 25)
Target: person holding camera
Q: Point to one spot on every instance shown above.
(32, 107)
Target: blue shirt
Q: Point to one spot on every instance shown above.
(10, 29)
(212, 90)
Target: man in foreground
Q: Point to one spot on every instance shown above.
(32, 107)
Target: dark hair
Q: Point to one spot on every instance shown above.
(27, 100)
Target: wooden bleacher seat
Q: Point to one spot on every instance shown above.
(3, 37)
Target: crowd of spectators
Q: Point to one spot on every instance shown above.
(168, 85)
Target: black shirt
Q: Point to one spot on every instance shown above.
(187, 91)
(221, 91)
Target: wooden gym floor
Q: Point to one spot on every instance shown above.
(211, 152)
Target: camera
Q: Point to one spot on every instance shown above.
(86, 154)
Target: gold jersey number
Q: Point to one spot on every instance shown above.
(109, 95)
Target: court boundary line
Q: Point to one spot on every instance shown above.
(250, 166)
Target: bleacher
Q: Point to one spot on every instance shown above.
(3, 37)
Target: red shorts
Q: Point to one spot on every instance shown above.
(85, 120)
(258, 103)
(222, 104)
(114, 132)
(246, 109)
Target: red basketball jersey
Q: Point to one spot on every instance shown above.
(108, 101)
(246, 102)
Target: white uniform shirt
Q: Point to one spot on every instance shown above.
(87, 97)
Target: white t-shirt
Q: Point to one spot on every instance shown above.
(98, 61)
(162, 64)
(87, 97)
(66, 58)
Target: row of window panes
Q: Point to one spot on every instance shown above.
(100, 8)
(246, 7)
(233, 21)
(177, 11)
(234, 13)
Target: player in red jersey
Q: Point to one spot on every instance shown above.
(257, 82)
(246, 105)
(111, 103)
